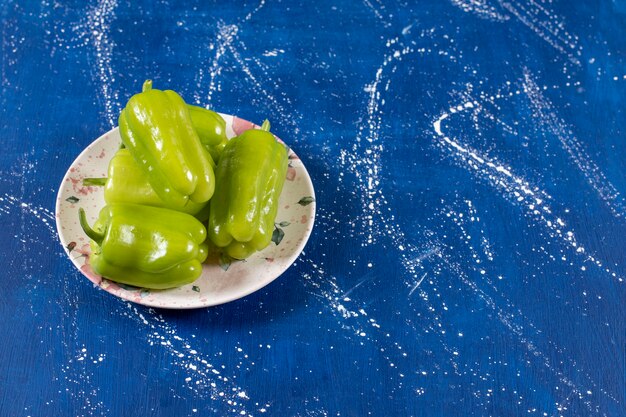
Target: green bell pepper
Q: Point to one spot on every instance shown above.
(249, 180)
(126, 183)
(145, 246)
(211, 128)
(156, 127)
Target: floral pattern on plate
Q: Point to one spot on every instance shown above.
(222, 280)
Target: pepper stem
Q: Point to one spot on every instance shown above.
(97, 237)
(97, 182)
(266, 125)
(147, 86)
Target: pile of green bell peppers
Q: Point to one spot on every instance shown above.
(178, 185)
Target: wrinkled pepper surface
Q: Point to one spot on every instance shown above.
(211, 129)
(126, 183)
(146, 246)
(156, 127)
(249, 179)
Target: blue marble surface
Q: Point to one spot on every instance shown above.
(469, 252)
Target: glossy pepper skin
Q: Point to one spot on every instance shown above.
(249, 179)
(211, 129)
(146, 246)
(156, 128)
(126, 183)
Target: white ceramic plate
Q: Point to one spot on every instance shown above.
(220, 281)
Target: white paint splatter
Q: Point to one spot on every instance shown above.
(96, 27)
(223, 39)
(274, 52)
(9, 202)
(515, 188)
(547, 25)
(204, 376)
(254, 11)
(279, 106)
(365, 163)
(417, 284)
(356, 320)
(546, 115)
(481, 9)
(535, 15)
(378, 10)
